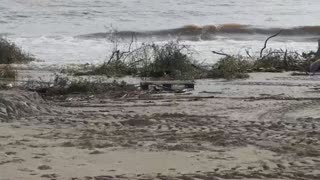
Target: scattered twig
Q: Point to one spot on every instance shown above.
(297, 54)
(133, 38)
(135, 50)
(270, 53)
(248, 53)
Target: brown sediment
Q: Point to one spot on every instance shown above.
(233, 28)
(192, 28)
(210, 28)
(196, 30)
(311, 29)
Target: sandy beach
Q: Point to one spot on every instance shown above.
(265, 127)
(65, 113)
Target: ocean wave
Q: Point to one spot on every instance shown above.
(4, 34)
(209, 32)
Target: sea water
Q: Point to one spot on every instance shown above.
(76, 31)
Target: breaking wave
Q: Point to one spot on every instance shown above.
(194, 32)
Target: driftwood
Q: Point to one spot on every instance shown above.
(221, 53)
(261, 51)
(265, 43)
(167, 85)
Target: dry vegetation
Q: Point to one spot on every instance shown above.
(170, 61)
(174, 60)
(11, 54)
(270, 60)
(8, 72)
(63, 85)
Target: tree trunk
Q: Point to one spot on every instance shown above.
(318, 51)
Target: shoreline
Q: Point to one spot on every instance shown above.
(230, 135)
(159, 90)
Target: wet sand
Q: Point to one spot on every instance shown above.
(265, 127)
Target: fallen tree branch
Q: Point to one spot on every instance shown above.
(265, 43)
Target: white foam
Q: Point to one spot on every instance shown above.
(46, 28)
(70, 50)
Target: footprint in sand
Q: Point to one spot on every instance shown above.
(49, 176)
(44, 167)
(10, 153)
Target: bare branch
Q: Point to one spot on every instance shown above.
(135, 50)
(221, 53)
(112, 56)
(297, 54)
(248, 53)
(265, 43)
(130, 45)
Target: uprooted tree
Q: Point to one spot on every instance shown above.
(173, 60)
(269, 60)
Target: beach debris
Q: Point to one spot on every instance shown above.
(168, 86)
(265, 43)
(315, 66)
